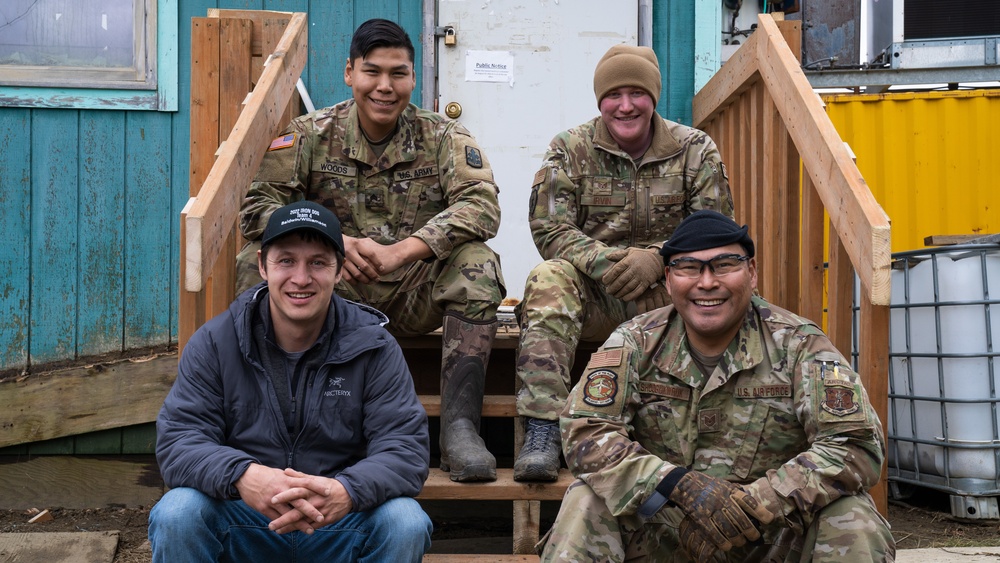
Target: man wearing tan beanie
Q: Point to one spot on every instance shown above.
(609, 192)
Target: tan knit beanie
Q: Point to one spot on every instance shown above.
(627, 65)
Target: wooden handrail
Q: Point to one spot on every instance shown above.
(209, 217)
(859, 219)
(767, 121)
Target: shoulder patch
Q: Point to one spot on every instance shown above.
(473, 157)
(600, 388)
(282, 142)
(539, 176)
(616, 340)
(605, 359)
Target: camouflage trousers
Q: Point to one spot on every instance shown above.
(849, 529)
(468, 282)
(561, 307)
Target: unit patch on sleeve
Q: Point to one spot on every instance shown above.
(601, 388)
(282, 142)
(838, 398)
(473, 157)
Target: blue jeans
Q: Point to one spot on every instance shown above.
(187, 525)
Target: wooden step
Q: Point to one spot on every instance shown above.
(462, 558)
(500, 406)
(439, 486)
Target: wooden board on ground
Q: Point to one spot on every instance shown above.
(59, 547)
(75, 482)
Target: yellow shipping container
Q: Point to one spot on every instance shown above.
(930, 158)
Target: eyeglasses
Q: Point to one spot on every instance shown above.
(721, 265)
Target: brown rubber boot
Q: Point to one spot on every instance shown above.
(466, 346)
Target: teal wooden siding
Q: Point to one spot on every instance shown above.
(674, 44)
(90, 200)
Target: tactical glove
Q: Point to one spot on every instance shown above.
(717, 511)
(653, 298)
(635, 269)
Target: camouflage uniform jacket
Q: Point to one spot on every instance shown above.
(432, 182)
(782, 408)
(590, 197)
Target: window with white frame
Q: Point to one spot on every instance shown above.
(78, 43)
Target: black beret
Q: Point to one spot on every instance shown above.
(706, 229)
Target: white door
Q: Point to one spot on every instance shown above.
(522, 71)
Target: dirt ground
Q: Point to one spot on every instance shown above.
(921, 521)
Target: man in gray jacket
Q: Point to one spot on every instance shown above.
(293, 431)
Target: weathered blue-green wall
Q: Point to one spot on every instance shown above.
(90, 201)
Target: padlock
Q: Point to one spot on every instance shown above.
(449, 36)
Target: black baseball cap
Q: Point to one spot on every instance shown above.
(304, 215)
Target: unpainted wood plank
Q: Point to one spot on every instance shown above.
(54, 235)
(500, 406)
(770, 270)
(812, 268)
(84, 399)
(757, 189)
(204, 141)
(235, 83)
(79, 482)
(15, 213)
(217, 206)
(948, 240)
(205, 83)
(467, 557)
(852, 208)
(147, 250)
(271, 35)
(840, 294)
(257, 17)
(527, 520)
(102, 232)
(439, 486)
(873, 368)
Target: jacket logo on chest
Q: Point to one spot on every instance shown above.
(334, 388)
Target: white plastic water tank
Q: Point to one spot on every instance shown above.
(960, 324)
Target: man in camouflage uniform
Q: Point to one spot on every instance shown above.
(608, 193)
(416, 200)
(721, 428)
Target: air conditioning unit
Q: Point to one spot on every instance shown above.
(912, 34)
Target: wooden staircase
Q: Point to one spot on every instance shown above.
(423, 355)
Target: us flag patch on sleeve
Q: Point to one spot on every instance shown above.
(282, 142)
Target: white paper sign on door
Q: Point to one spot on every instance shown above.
(489, 66)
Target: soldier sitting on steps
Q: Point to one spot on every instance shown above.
(608, 193)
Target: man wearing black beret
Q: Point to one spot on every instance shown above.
(720, 427)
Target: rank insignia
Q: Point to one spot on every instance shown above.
(839, 399)
(708, 420)
(473, 157)
(601, 388)
(282, 142)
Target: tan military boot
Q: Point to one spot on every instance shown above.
(466, 346)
